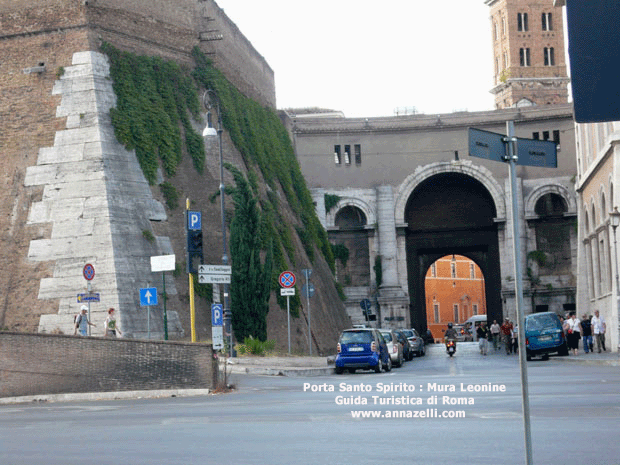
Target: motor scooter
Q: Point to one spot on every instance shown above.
(450, 347)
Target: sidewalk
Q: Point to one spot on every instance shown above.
(279, 366)
(593, 358)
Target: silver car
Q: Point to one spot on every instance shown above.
(395, 348)
(416, 342)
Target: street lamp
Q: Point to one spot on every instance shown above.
(614, 219)
(210, 100)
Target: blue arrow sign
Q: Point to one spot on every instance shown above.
(148, 296)
(217, 315)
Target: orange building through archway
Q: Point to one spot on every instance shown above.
(454, 292)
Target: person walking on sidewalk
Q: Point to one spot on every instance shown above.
(482, 333)
(574, 332)
(599, 328)
(495, 330)
(506, 330)
(82, 323)
(586, 334)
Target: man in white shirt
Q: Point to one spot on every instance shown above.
(598, 329)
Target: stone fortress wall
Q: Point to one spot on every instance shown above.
(70, 193)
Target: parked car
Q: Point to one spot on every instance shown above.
(544, 335)
(416, 342)
(402, 337)
(362, 348)
(395, 347)
(428, 337)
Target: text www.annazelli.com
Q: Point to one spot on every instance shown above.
(427, 413)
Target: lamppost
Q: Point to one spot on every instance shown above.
(210, 99)
(614, 219)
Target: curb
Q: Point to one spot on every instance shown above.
(291, 372)
(121, 395)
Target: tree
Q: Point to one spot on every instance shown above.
(250, 283)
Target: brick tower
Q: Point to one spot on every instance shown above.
(528, 53)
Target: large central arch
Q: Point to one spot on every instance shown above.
(451, 212)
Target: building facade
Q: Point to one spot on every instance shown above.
(402, 192)
(454, 288)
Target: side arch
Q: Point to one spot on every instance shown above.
(553, 188)
(330, 218)
(479, 173)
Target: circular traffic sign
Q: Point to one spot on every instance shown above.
(287, 279)
(89, 272)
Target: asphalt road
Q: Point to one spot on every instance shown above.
(575, 412)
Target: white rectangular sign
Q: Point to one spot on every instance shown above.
(287, 291)
(214, 278)
(214, 269)
(217, 337)
(163, 263)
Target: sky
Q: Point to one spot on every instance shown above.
(366, 60)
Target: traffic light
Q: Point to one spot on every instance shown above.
(194, 250)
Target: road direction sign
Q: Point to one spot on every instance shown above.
(89, 272)
(530, 152)
(214, 269)
(194, 221)
(214, 278)
(287, 291)
(148, 296)
(287, 279)
(217, 337)
(217, 314)
(543, 153)
(365, 304)
(488, 145)
(90, 297)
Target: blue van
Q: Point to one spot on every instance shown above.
(544, 335)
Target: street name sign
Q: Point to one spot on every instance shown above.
(163, 263)
(214, 269)
(530, 152)
(90, 297)
(287, 291)
(214, 278)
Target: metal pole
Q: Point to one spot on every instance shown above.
(288, 318)
(89, 288)
(308, 303)
(516, 238)
(192, 307)
(163, 279)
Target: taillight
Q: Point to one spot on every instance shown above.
(527, 341)
(338, 347)
(373, 346)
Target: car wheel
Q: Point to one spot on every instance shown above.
(563, 350)
(352, 370)
(528, 358)
(422, 352)
(339, 370)
(388, 366)
(379, 366)
(410, 356)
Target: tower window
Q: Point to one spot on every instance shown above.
(556, 136)
(549, 56)
(347, 154)
(522, 22)
(547, 23)
(545, 135)
(524, 56)
(358, 154)
(536, 135)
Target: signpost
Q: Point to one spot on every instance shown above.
(148, 297)
(366, 306)
(497, 147)
(307, 288)
(89, 273)
(216, 274)
(163, 263)
(287, 281)
(217, 321)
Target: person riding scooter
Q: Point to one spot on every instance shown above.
(450, 340)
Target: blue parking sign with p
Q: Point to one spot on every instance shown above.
(217, 315)
(194, 221)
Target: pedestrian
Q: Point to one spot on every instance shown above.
(110, 325)
(574, 332)
(495, 330)
(82, 323)
(506, 330)
(598, 329)
(586, 333)
(515, 338)
(482, 334)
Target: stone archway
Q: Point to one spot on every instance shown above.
(452, 212)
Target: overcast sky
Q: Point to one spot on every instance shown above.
(366, 59)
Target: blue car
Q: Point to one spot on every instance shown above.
(362, 348)
(544, 335)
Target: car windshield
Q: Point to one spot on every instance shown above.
(539, 322)
(387, 336)
(363, 337)
(408, 333)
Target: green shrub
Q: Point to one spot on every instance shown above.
(170, 195)
(253, 346)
